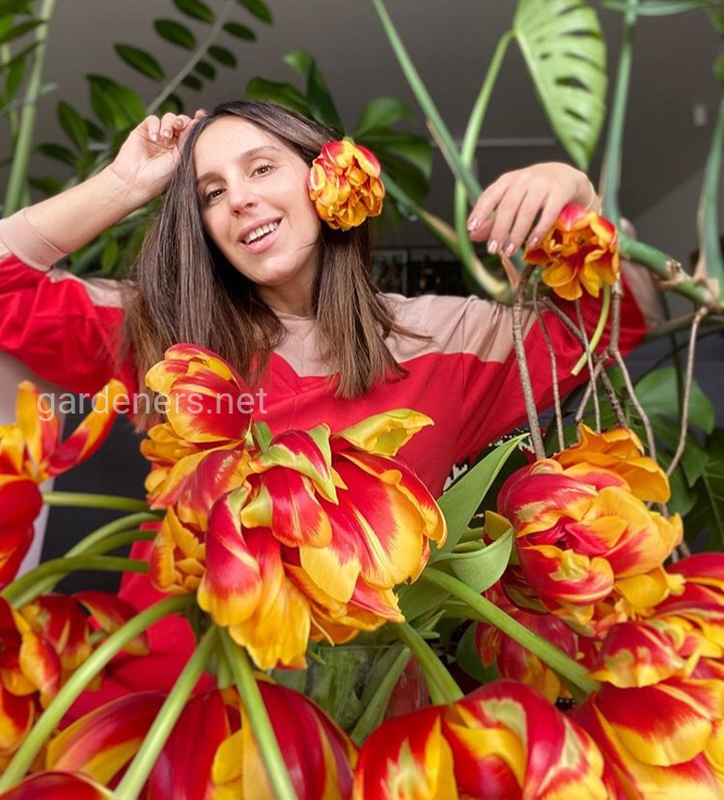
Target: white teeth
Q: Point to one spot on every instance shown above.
(262, 230)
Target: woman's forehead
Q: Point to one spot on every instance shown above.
(231, 137)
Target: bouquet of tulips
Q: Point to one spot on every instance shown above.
(599, 650)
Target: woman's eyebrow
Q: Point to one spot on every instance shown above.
(247, 154)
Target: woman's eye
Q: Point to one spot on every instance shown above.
(262, 169)
(212, 195)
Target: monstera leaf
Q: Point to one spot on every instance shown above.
(563, 47)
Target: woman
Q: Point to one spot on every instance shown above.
(239, 262)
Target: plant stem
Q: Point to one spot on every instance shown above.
(554, 368)
(111, 543)
(84, 500)
(27, 588)
(598, 333)
(426, 102)
(486, 611)
(200, 52)
(709, 243)
(442, 686)
(17, 183)
(135, 777)
(266, 740)
(122, 525)
(520, 357)
(78, 681)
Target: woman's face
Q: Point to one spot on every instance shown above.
(256, 207)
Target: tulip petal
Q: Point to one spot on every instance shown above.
(112, 612)
(384, 433)
(57, 786)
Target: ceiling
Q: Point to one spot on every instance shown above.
(451, 42)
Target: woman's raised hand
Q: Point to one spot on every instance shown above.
(524, 204)
(151, 153)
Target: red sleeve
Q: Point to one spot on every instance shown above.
(493, 402)
(65, 329)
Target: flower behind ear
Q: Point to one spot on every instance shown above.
(344, 184)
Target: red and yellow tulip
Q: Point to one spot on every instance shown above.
(31, 451)
(579, 252)
(344, 184)
(662, 731)
(225, 761)
(502, 742)
(587, 547)
(317, 537)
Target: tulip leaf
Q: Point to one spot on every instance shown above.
(658, 393)
(708, 513)
(283, 94)
(380, 114)
(564, 50)
(175, 32)
(195, 9)
(468, 659)
(460, 502)
(142, 61)
(259, 9)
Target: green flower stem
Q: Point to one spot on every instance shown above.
(709, 243)
(442, 686)
(17, 182)
(82, 500)
(470, 143)
(428, 106)
(667, 268)
(30, 585)
(111, 543)
(377, 704)
(598, 333)
(484, 610)
(131, 522)
(78, 681)
(137, 774)
(266, 740)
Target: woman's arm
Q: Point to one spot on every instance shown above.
(141, 171)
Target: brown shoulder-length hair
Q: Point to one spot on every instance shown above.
(187, 291)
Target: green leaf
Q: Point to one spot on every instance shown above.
(222, 55)
(283, 94)
(109, 257)
(563, 47)
(192, 82)
(460, 502)
(19, 56)
(206, 69)
(708, 514)
(240, 31)
(175, 33)
(195, 9)
(116, 106)
(718, 69)
(407, 176)
(94, 132)
(410, 146)
(259, 9)
(74, 125)
(379, 115)
(21, 29)
(320, 100)
(14, 77)
(15, 7)
(49, 186)
(481, 567)
(58, 152)
(660, 8)
(659, 395)
(142, 61)
(467, 658)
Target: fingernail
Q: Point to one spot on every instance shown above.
(510, 248)
(473, 224)
(492, 246)
(154, 136)
(533, 241)
(166, 132)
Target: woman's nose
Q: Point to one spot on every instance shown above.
(241, 198)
